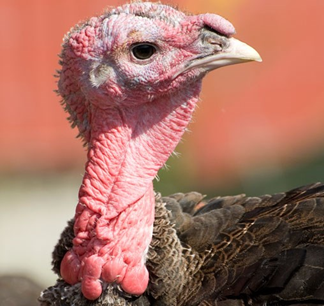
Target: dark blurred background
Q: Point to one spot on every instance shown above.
(258, 129)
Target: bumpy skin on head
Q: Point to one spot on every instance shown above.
(131, 112)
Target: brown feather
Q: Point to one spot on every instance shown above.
(231, 251)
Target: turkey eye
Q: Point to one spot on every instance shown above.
(143, 51)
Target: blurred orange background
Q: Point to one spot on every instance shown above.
(259, 127)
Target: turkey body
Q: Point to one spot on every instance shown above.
(233, 250)
(130, 80)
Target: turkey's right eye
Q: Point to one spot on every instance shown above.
(143, 51)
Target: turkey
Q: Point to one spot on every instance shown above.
(130, 80)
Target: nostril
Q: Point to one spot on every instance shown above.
(218, 41)
(217, 44)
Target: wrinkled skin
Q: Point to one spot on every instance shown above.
(131, 106)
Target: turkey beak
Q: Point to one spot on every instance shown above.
(230, 53)
(235, 52)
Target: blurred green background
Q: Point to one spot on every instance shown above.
(258, 129)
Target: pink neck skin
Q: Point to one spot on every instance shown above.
(115, 213)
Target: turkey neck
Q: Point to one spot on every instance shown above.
(128, 145)
(115, 213)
